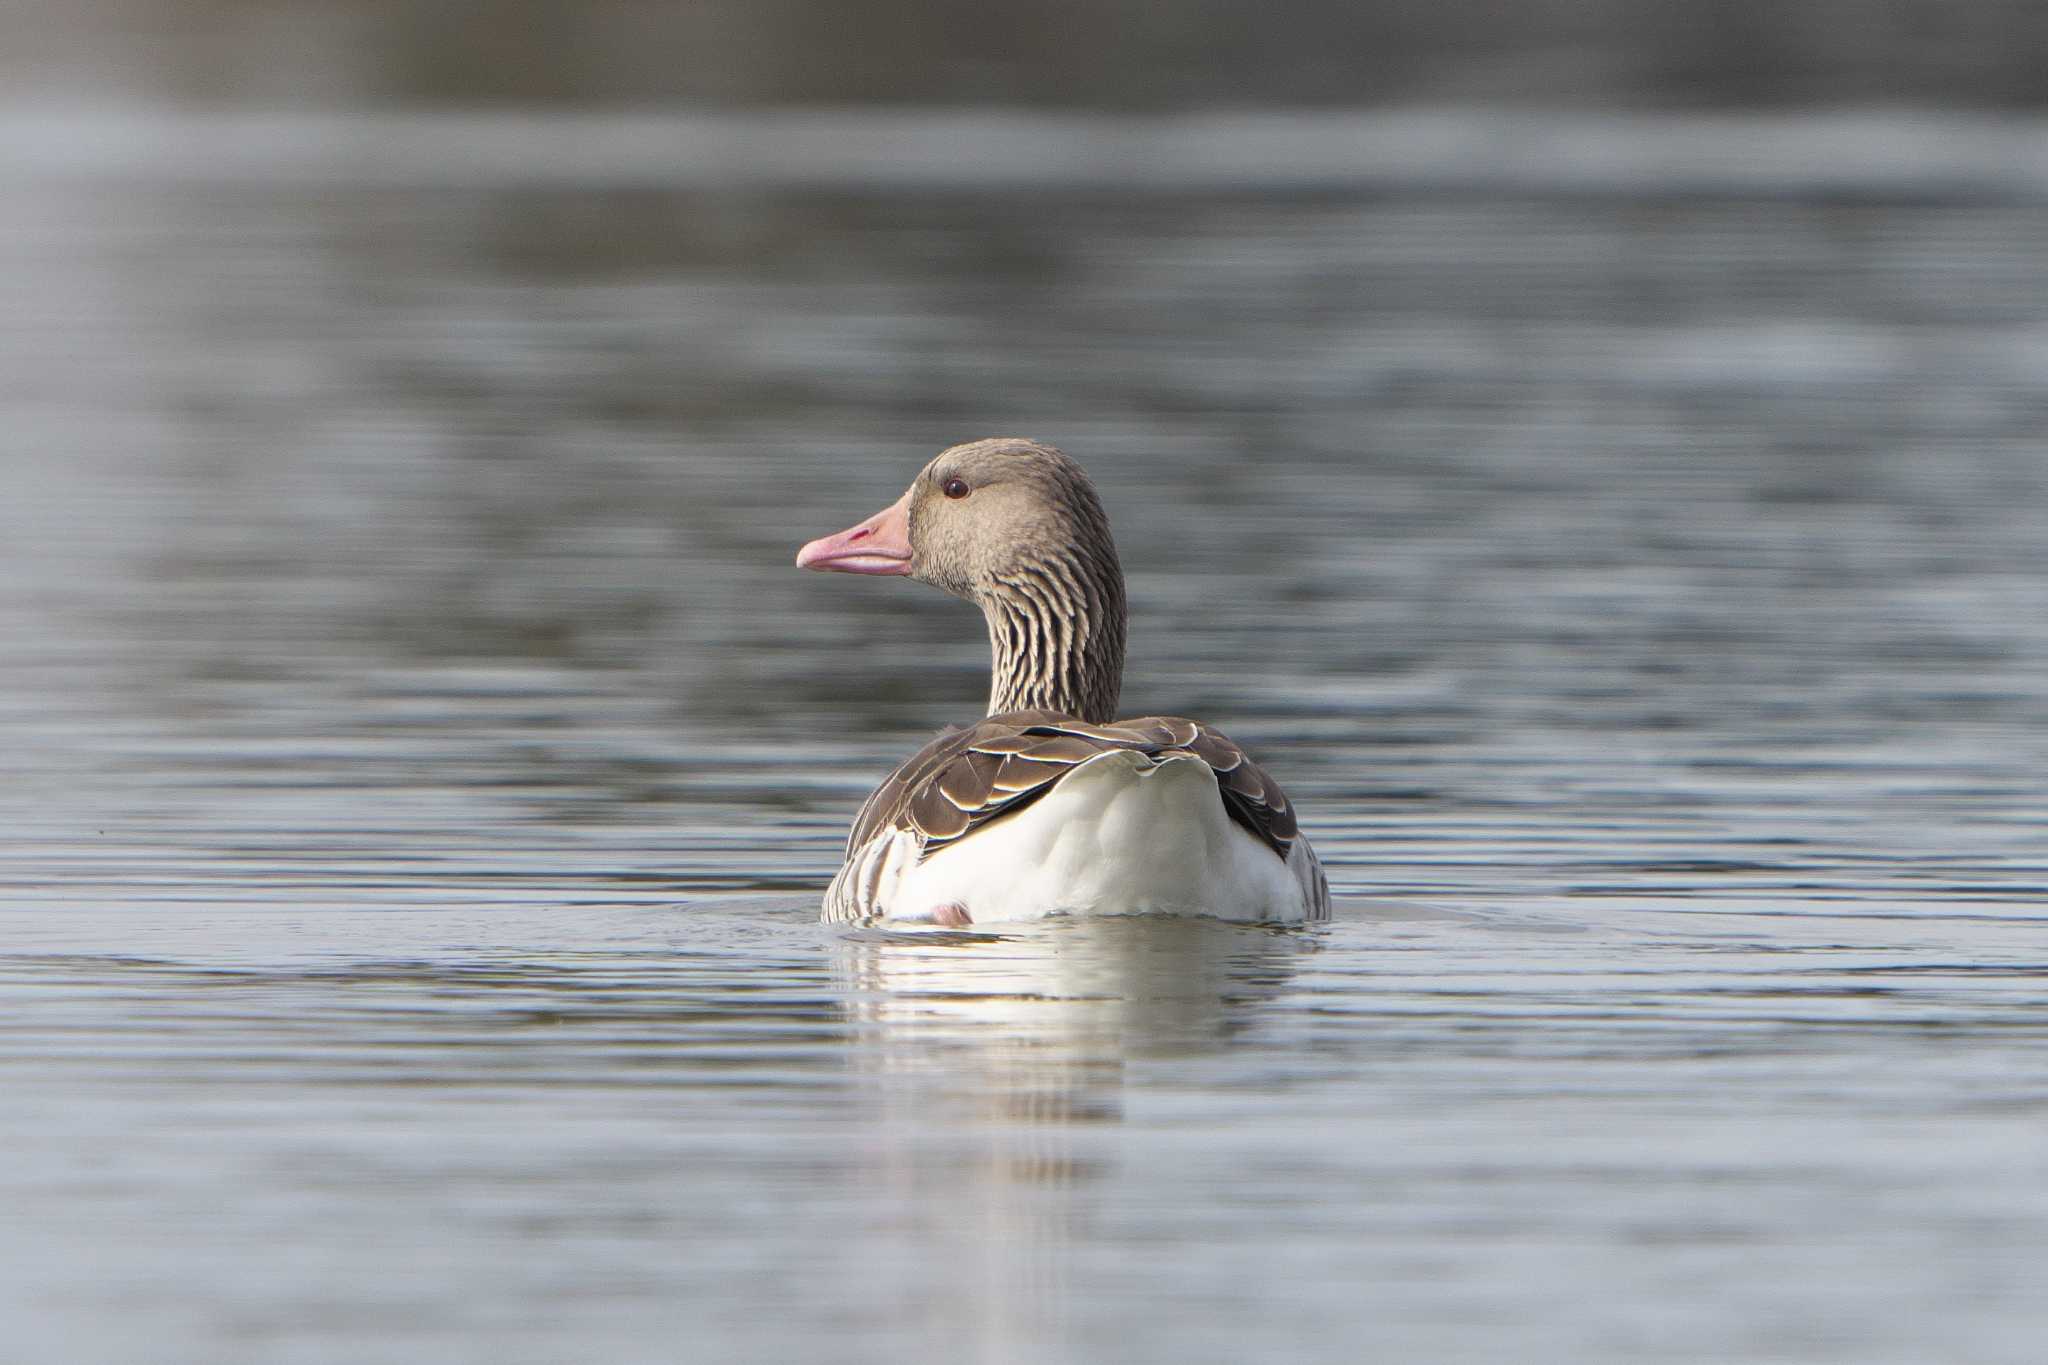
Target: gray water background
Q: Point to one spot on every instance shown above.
(422, 759)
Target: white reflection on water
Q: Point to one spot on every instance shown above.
(1016, 1047)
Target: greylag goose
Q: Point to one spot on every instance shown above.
(1050, 805)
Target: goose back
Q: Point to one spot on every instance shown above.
(969, 776)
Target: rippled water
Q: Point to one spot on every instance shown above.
(423, 763)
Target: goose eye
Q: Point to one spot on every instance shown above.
(955, 488)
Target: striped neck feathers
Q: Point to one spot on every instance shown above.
(1056, 628)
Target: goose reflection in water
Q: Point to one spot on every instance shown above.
(1002, 1068)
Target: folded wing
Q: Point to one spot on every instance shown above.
(968, 777)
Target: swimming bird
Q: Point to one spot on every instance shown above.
(1050, 805)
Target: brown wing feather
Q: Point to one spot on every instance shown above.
(967, 777)
(888, 806)
(1253, 798)
(934, 817)
(1066, 749)
(1021, 774)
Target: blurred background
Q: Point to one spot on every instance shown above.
(1592, 451)
(1095, 54)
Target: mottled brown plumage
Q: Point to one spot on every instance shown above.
(967, 777)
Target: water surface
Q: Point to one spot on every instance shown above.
(424, 762)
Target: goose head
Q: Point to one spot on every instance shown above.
(977, 514)
(1015, 527)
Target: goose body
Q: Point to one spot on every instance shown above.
(1153, 816)
(1047, 806)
